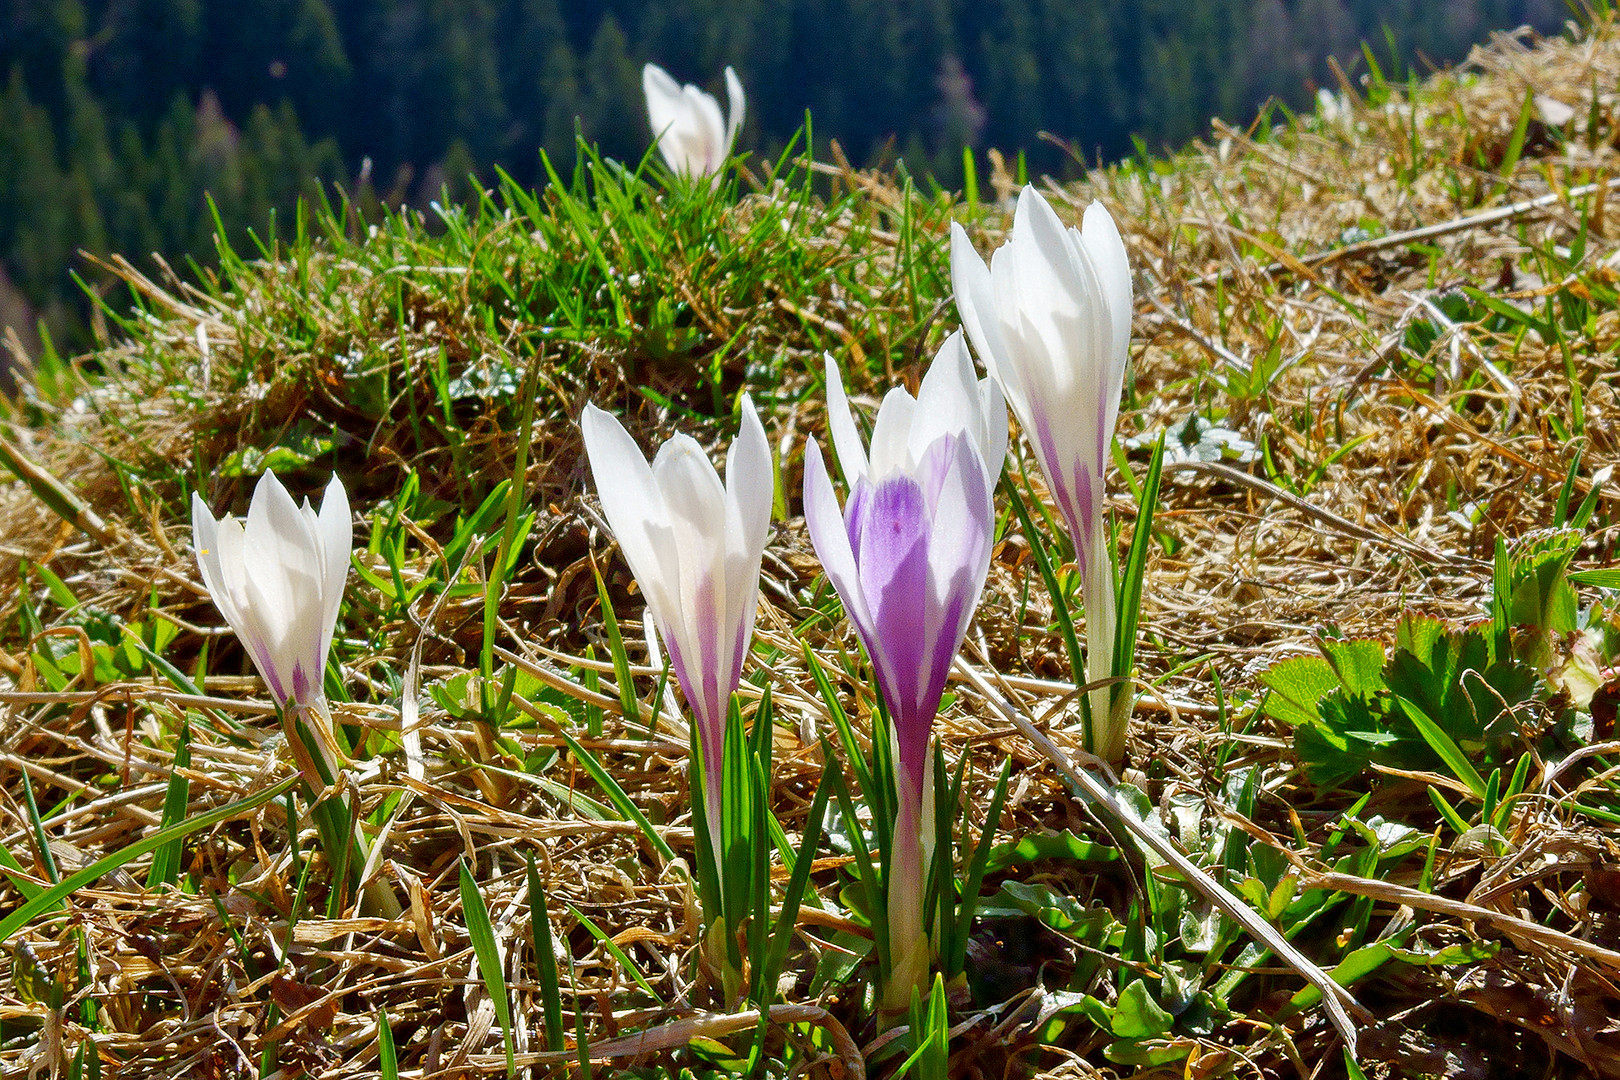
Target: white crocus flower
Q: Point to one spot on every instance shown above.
(694, 546)
(277, 577)
(686, 122)
(1051, 318)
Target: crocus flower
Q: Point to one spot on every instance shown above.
(694, 546)
(277, 577)
(686, 122)
(1050, 316)
(908, 554)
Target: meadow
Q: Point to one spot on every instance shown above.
(1373, 688)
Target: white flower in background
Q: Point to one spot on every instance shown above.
(277, 577)
(686, 122)
(1050, 316)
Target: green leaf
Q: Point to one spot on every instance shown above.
(1358, 965)
(1064, 846)
(488, 958)
(166, 860)
(1129, 602)
(1541, 596)
(1359, 664)
(793, 898)
(616, 795)
(621, 659)
(614, 951)
(1137, 1016)
(968, 902)
(1606, 578)
(1297, 686)
(387, 1058)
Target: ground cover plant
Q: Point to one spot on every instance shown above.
(1373, 666)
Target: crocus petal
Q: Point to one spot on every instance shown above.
(976, 301)
(336, 528)
(891, 552)
(891, 435)
(738, 103)
(632, 504)
(696, 502)
(283, 575)
(1102, 242)
(994, 407)
(664, 105)
(948, 400)
(841, 423)
(831, 541)
(708, 149)
(750, 479)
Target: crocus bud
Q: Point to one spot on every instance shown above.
(908, 555)
(1050, 316)
(686, 123)
(694, 546)
(277, 577)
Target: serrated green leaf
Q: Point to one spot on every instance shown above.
(1359, 664)
(1297, 687)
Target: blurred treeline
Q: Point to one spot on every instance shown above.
(116, 116)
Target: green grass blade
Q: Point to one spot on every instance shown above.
(1043, 563)
(969, 902)
(166, 860)
(614, 951)
(488, 958)
(1447, 811)
(387, 1057)
(616, 795)
(1443, 745)
(840, 719)
(545, 962)
(1130, 585)
(621, 660)
(866, 879)
(50, 898)
(793, 898)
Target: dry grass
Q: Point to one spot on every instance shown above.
(1280, 247)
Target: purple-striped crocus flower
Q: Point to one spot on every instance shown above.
(1050, 316)
(908, 554)
(694, 546)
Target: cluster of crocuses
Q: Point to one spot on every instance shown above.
(908, 552)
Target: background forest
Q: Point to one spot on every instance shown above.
(117, 116)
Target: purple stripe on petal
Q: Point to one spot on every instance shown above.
(855, 507)
(712, 733)
(892, 554)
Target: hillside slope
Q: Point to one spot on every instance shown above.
(1381, 337)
